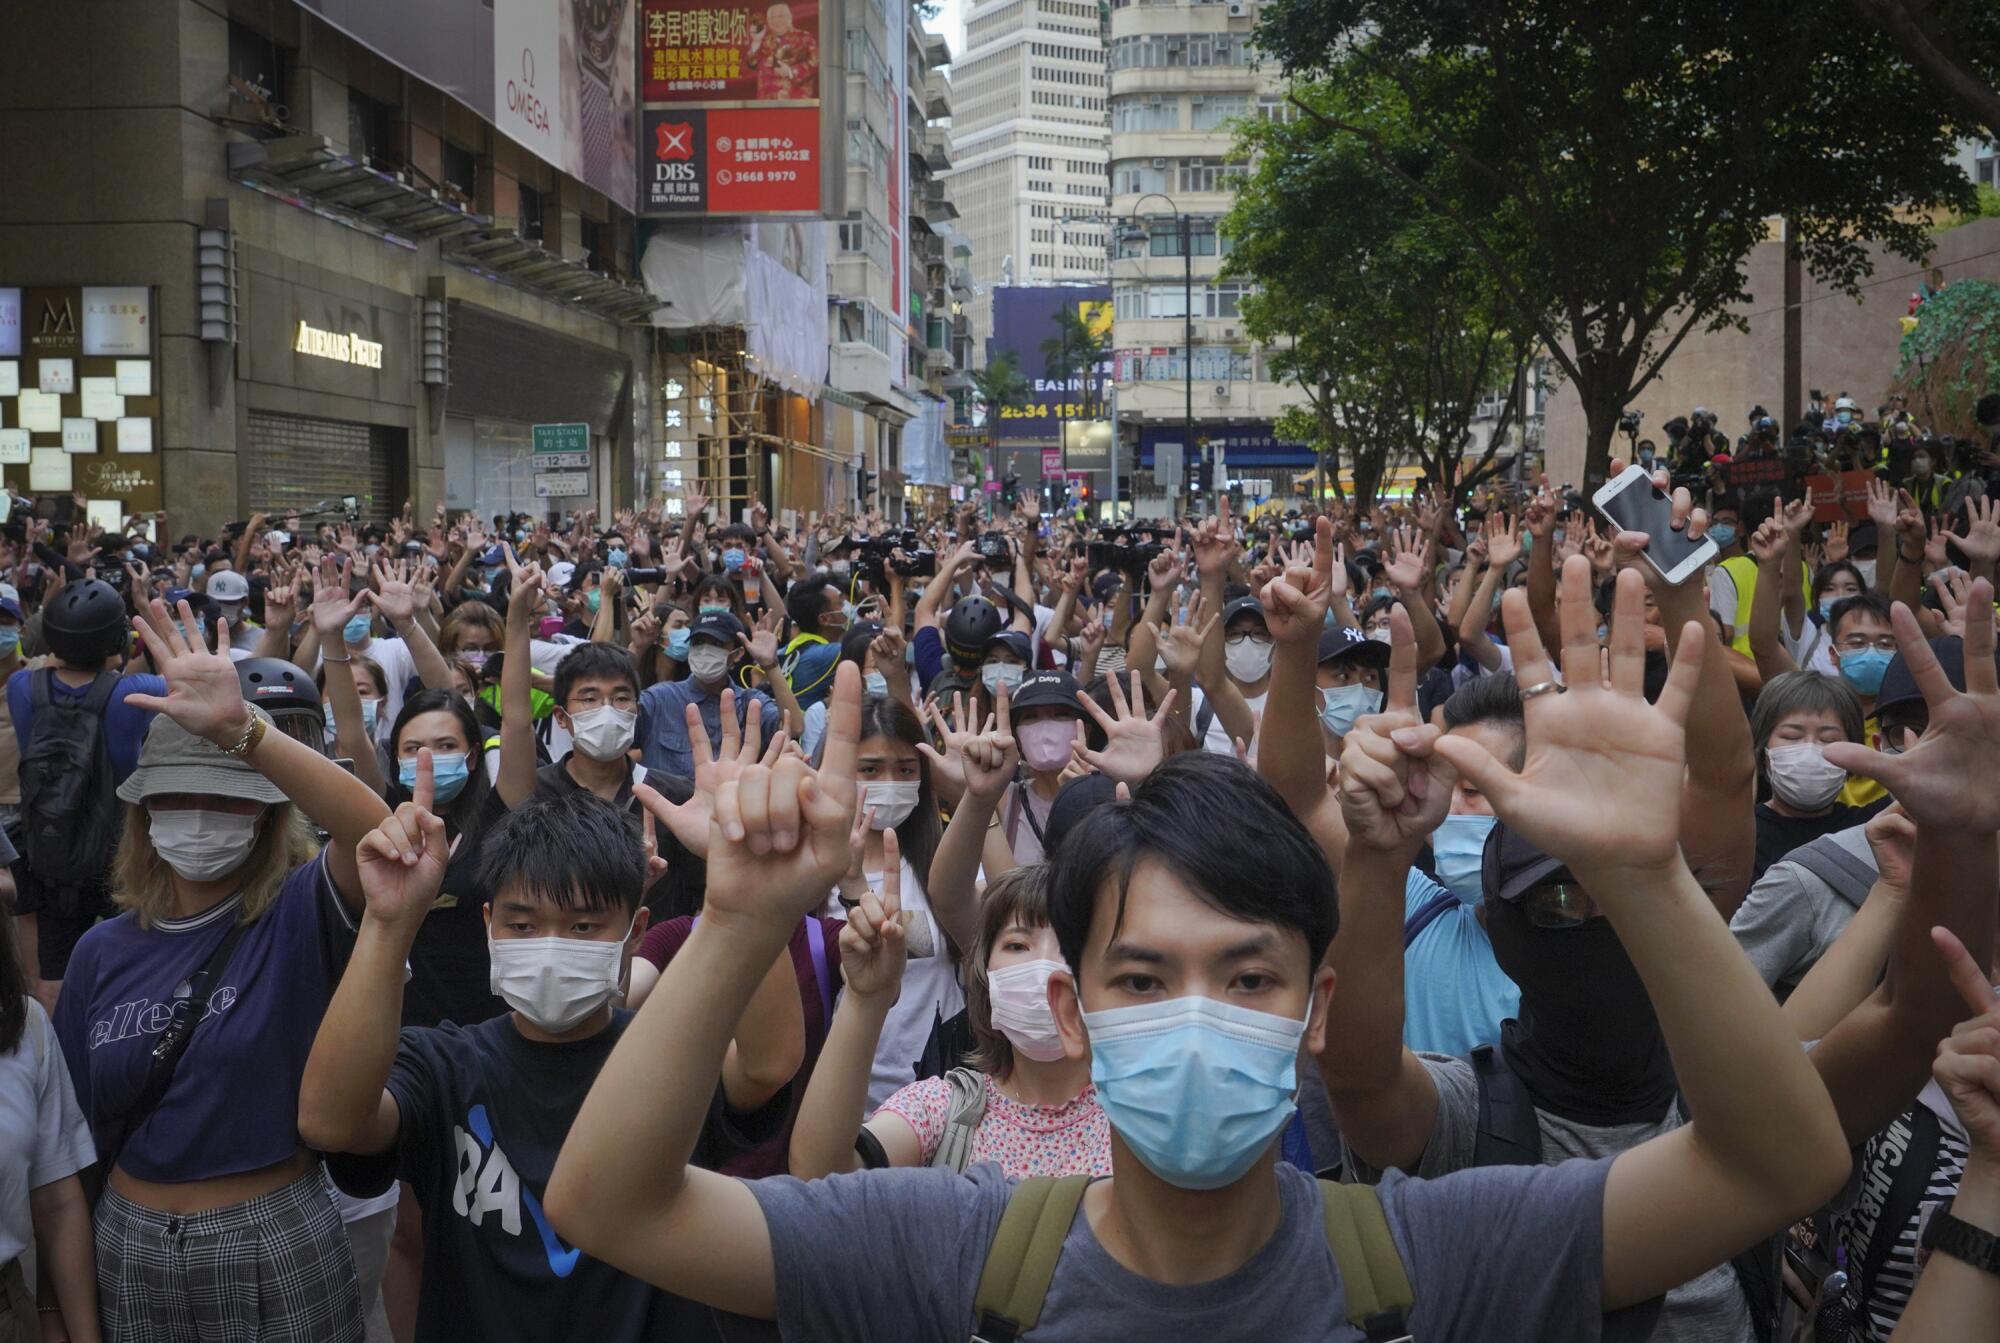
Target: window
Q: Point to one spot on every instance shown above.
(1223, 300)
(1034, 185)
(1986, 170)
(253, 58)
(460, 168)
(1137, 175)
(1272, 107)
(531, 213)
(371, 129)
(1209, 175)
(1214, 111)
(1145, 112)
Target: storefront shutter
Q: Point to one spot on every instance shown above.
(308, 464)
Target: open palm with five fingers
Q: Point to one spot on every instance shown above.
(203, 694)
(1133, 747)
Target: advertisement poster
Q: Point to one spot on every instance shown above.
(1024, 316)
(731, 120)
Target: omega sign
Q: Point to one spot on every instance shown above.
(522, 100)
(349, 348)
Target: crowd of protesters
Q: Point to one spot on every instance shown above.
(1350, 924)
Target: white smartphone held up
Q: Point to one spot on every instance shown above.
(1632, 502)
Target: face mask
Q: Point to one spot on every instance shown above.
(875, 683)
(1826, 605)
(1844, 417)
(1867, 568)
(1921, 465)
(1645, 457)
(732, 559)
(996, 674)
(1342, 705)
(355, 631)
(477, 657)
(197, 570)
(10, 642)
(1381, 636)
(1248, 661)
(1018, 999)
(203, 845)
(1196, 1088)
(1459, 848)
(448, 776)
(232, 613)
(1863, 668)
(1724, 534)
(893, 802)
(1046, 745)
(555, 982)
(708, 663)
(594, 599)
(369, 711)
(1801, 777)
(677, 643)
(1379, 594)
(604, 733)
(616, 558)
(706, 607)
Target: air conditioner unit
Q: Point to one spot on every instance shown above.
(1160, 163)
(1239, 9)
(1178, 44)
(1197, 100)
(1229, 333)
(1221, 391)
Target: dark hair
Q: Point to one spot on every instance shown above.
(1486, 699)
(718, 583)
(806, 602)
(1262, 867)
(464, 812)
(1872, 603)
(1832, 567)
(682, 886)
(13, 992)
(1018, 895)
(854, 643)
(365, 663)
(591, 662)
(573, 850)
(918, 835)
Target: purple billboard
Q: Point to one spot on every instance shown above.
(1025, 319)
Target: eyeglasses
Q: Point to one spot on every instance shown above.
(1855, 643)
(1248, 637)
(1558, 904)
(590, 699)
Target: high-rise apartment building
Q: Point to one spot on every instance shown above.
(1029, 146)
(1182, 75)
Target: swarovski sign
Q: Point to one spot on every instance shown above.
(346, 348)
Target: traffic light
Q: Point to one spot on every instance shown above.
(864, 487)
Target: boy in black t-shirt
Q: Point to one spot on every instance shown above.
(474, 1116)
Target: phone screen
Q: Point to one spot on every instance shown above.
(1643, 508)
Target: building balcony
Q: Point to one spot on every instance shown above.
(1173, 79)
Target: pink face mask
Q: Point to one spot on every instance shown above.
(1046, 745)
(551, 627)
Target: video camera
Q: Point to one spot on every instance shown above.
(875, 556)
(993, 550)
(1130, 550)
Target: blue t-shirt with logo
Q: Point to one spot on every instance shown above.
(1455, 994)
(483, 1112)
(234, 1100)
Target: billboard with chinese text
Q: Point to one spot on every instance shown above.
(731, 120)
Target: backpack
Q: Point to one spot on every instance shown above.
(1847, 874)
(70, 814)
(1509, 1134)
(962, 1116)
(1021, 1261)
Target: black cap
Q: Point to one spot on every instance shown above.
(1015, 642)
(1044, 690)
(1899, 686)
(721, 626)
(1238, 607)
(1862, 537)
(1512, 866)
(1342, 644)
(1078, 798)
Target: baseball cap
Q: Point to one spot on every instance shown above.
(721, 626)
(229, 586)
(1238, 607)
(1511, 866)
(560, 573)
(1342, 644)
(1015, 642)
(1046, 690)
(10, 601)
(1899, 686)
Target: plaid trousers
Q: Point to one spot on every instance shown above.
(272, 1269)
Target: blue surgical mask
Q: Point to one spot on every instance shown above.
(615, 557)
(10, 642)
(448, 776)
(355, 631)
(1197, 1088)
(1724, 534)
(732, 558)
(1341, 706)
(1826, 605)
(200, 634)
(370, 709)
(677, 643)
(197, 570)
(875, 683)
(1459, 848)
(1862, 668)
(847, 610)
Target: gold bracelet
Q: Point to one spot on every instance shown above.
(252, 735)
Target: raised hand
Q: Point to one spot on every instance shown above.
(1214, 544)
(1937, 548)
(524, 599)
(394, 597)
(1180, 642)
(1954, 590)
(1601, 786)
(1165, 570)
(689, 821)
(203, 694)
(1940, 780)
(332, 607)
(402, 861)
(1981, 542)
(887, 649)
(1295, 602)
(1892, 835)
(1881, 506)
(1410, 557)
(1835, 547)
(1768, 541)
(1133, 746)
(872, 951)
(643, 631)
(1503, 540)
(1968, 1060)
(1393, 788)
(1797, 517)
(983, 758)
(763, 645)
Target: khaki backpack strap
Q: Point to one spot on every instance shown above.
(967, 1106)
(1371, 1267)
(1021, 1262)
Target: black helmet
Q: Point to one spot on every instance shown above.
(968, 626)
(86, 623)
(288, 695)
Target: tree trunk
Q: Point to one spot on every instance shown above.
(1601, 412)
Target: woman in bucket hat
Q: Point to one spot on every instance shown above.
(186, 1020)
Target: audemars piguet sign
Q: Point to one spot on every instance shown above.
(345, 347)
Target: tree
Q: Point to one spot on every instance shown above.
(997, 388)
(1370, 305)
(1074, 353)
(1952, 357)
(1955, 44)
(1612, 164)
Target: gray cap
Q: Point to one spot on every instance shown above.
(174, 760)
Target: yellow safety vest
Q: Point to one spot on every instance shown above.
(1742, 571)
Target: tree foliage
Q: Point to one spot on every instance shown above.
(1611, 163)
(997, 388)
(1372, 306)
(1954, 45)
(1952, 357)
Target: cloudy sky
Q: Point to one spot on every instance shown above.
(950, 24)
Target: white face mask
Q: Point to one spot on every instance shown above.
(1801, 776)
(893, 802)
(555, 982)
(706, 662)
(203, 845)
(1019, 999)
(1248, 661)
(603, 733)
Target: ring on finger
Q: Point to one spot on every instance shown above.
(1537, 690)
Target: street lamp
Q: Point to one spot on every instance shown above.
(1136, 232)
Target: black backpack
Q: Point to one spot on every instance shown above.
(70, 814)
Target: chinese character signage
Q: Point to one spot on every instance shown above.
(732, 121)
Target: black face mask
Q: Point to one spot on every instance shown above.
(1587, 1044)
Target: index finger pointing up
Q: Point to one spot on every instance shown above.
(1966, 976)
(1402, 661)
(843, 727)
(425, 793)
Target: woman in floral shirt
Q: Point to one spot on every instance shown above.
(1040, 1115)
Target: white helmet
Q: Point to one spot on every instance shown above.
(1846, 403)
